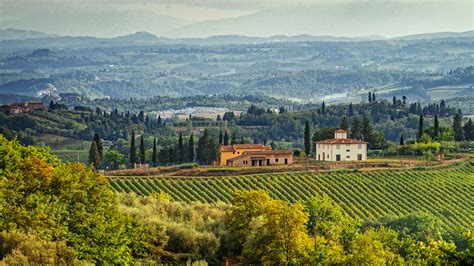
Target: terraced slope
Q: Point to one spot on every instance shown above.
(448, 194)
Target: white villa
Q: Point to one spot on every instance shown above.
(340, 148)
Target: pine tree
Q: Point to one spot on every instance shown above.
(100, 148)
(469, 130)
(133, 149)
(344, 123)
(220, 138)
(94, 157)
(154, 158)
(307, 139)
(420, 127)
(350, 112)
(356, 129)
(142, 150)
(226, 138)
(457, 127)
(366, 129)
(402, 141)
(181, 151)
(436, 127)
(233, 139)
(191, 148)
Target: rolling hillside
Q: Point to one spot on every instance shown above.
(447, 194)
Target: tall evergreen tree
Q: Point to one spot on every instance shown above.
(191, 148)
(356, 129)
(226, 138)
(436, 128)
(469, 130)
(94, 157)
(457, 127)
(142, 150)
(208, 149)
(100, 148)
(307, 139)
(323, 108)
(242, 140)
(344, 123)
(133, 149)
(420, 127)
(233, 138)
(370, 97)
(154, 157)
(442, 108)
(373, 96)
(350, 112)
(181, 150)
(366, 129)
(402, 141)
(220, 138)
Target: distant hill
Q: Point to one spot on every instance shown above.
(437, 35)
(16, 34)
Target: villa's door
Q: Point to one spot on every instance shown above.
(268, 161)
(324, 156)
(338, 157)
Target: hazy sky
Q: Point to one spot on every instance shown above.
(182, 18)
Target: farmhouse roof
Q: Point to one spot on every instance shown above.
(245, 146)
(341, 141)
(261, 153)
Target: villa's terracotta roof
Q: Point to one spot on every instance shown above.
(341, 141)
(261, 153)
(245, 146)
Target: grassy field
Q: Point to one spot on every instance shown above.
(447, 194)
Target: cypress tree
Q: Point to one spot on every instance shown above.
(181, 158)
(370, 97)
(356, 129)
(307, 139)
(457, 127)
(242, 141)
(233, 139)
(154, 158)
(323, 108)
(420, 127)
(191, 148)
(469, 130)
(366, 128)
(436, 127)
(100, 148)
(220, 138)
(402, 141)
(133, 149)
(208, 149)
(373, 96)
(226, 138)
(94, 157)
(142, 150)
(350, 112)
(344, 123)
(171, 156)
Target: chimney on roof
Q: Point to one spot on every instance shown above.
(340, 134)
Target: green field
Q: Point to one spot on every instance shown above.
(447, 194)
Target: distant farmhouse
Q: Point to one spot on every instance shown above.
(253, 155)
(26, 107)
(340, 148)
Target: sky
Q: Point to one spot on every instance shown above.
(201, 18)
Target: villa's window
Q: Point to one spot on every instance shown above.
(337, 146)
(276, 160)
(359, 146)
(348, 150)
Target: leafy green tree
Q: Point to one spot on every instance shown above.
(142, 150)
(375, 247)
(114, 157)
(307, 139)
(457, 127)
(233, 138)
(133, 149)
(94, 157)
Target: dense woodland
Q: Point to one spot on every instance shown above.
(68, 211)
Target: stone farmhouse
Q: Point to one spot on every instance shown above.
(26, 107)
(253, 155)
(341, 148)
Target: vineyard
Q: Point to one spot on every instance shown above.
(447, 194)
